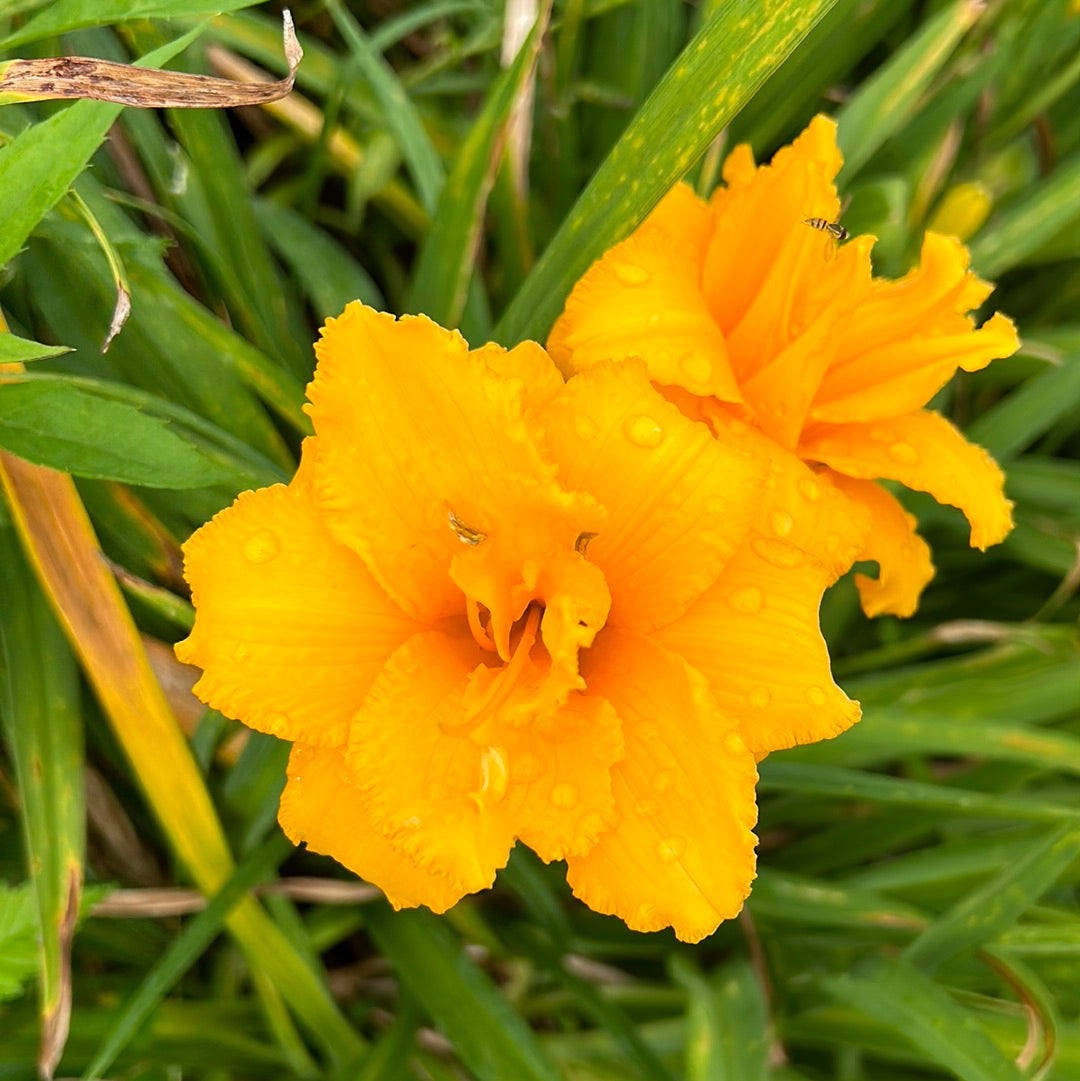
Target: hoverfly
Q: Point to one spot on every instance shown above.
(833, 228)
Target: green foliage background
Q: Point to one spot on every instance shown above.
(915, 915)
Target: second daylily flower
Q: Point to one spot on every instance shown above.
(493, 606)
(751, 319)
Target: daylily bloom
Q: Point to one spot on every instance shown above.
(748, 313)
(493, 606)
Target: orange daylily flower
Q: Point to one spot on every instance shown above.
(747, 312)
(493, 606)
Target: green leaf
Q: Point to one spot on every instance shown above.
(40, 708)
(18, 350)
(184, 951)
(851, 784)
(488, 1034)
(18, 931)
(888, 99)
(42, 162)
(995, 906)
(66, 428)
(901, 997)
(717, 72)
(64, 15)
(449, 253)
(727, 1019)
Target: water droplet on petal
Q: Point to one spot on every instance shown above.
(778, 553)
(781, 522)
(643, 431)
(629, 274)
(747, 600)
(904, 453)
(734, 744)
(645, 807)
(261, 548)
(276, 723)
(654, 319)
(564, 796)
(585, 427)
(696, 367)
(241, 653)
(663, 781)
(816, 696)
(759, 697)
(670, 849)
(809, 489)
(411, 823)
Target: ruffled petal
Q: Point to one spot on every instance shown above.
(681, 853)
(527, 362)
(903, 557)
(755, 637)
(413, 432)
(558, 775)
(923, 451)
(906, 339)
(678, 503)
(759, 210)
(424, 780)
(322, 807)
(643, 299)
(291, 628)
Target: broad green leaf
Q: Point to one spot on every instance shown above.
(449, 253)
(487, 1033)
(887, 99)
(19, 351)
(63, 15)
(18, 931)
(727, 1019)
(995, 906)
(898, 995)
(65, 428)
(40, 709)
(717, 72)
(42, 162)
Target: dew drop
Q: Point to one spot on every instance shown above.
(645, 808)
(585, 427)
(564, 796)
(411, 823)
(778, 553)
(654, 319)
(663, 781)
(734, 744)
(261, 548)
(696, 367)
(781, 523)
(276, 723)
(904, 453)
(643, 431)
(759, 697)
(629, 274)
(815, 696)
(748, 600)
(241, 653)
(810, 489)
(670, 849)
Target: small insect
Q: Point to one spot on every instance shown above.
(833, 228)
